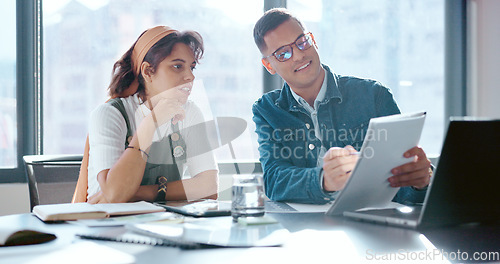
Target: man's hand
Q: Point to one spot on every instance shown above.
(416, 173)
(337, 166)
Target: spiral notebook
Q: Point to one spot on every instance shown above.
(197, 233)
(123, 235)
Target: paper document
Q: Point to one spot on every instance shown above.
(216, 231)
(386, 140)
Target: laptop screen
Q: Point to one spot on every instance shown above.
(467, 179)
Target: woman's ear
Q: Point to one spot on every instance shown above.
(268, 66)
(146, 72)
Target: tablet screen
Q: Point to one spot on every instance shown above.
(198, 208)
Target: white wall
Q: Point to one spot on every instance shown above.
(483, 60)
(14, 198)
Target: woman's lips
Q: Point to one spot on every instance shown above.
(186, 88)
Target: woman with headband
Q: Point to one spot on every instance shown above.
(138, 140)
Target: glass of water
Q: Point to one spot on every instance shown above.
(248, 196)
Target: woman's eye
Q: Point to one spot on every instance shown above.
(177, 66)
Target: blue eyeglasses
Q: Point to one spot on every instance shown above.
(284, 53)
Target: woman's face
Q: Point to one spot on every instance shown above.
(175, 71)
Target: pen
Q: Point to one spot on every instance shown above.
(354, 153)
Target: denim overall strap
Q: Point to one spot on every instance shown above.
(178, 144)
(161, 161)
(118, 104)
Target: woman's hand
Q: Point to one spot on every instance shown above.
(97, 198)
(167, 106)
(168, 110)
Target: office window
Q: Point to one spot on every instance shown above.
(397, 42)
(83, 39)
(8, 122)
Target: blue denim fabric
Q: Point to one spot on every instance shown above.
(289, 148)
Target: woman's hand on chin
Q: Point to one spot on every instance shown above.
(179, 93)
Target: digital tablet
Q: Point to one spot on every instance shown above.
(386, 139)
(198, 208)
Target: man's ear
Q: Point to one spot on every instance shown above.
(268, 66)
(146, 71)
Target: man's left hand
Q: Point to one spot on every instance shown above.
(416, 173)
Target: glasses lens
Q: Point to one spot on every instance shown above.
(304, 42)
(284, 53)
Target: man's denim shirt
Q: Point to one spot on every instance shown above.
(289, 148)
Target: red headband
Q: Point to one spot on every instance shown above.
(141, 48)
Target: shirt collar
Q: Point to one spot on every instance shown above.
(319, 97)
(287, 99)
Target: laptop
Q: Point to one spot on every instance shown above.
(464, 188)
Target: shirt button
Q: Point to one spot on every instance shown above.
(308, 126)
(311, 146)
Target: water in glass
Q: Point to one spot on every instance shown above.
(248, 196)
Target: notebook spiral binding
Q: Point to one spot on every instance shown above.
(144, 240)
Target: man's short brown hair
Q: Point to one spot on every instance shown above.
(270, 21)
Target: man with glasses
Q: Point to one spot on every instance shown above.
(309, 131)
